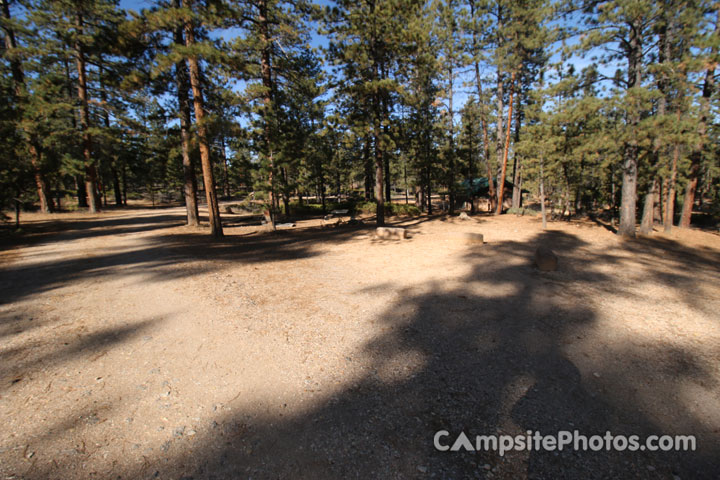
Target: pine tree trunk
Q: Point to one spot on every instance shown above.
(321, 184)
(697, 154)
(646, 226)
(43, 190)
(285, 190)
(501, 183)
(517, 165)
(113, 169)
(379, 153)
(613, 194)
(451, 144)
(542, 194)
(124, 184)
(379, 171)
(81, 191)
(116, 186)
(226, 175)
(670, 202)
(189, 179)
(266, 73)
(388, 185)
(90, 170)
(386, 156)
(664, 53)
(628, 193)
(628, 200)
(500, 140)
(428, 190)
(369, 176)
(216, 229)
(405, 181)
(690, 192)
(663, 198)
(483, 116)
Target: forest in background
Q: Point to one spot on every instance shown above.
(441, 101)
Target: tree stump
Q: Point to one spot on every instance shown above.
(546, 260)
(391, 233)
(474, 238)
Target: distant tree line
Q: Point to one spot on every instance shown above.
(220, 98)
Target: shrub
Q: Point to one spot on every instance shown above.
(316, 208)
(366, 207)
(402, 210)
(248, 206)
(391, 209)
(523, 211)
(305, 208)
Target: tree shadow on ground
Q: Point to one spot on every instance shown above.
(61, 230)
(21, 361)
(163, 256)
(502, 352)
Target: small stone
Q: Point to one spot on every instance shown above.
(92, 419)
(487, 466)
(190, 432)
(179, 432)
(651, 468)
(422, 469)
(596, 375)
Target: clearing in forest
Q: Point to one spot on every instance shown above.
(135, 347)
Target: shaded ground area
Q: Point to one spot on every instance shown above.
(136, 348)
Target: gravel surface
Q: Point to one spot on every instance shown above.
(134, 347)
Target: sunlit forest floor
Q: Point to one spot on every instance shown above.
(132, 346)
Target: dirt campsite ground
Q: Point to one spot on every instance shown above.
(132, 346)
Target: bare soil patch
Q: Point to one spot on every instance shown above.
(134, 347)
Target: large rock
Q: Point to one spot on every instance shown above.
(391, 233)
(474, 238)
(546, 260)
